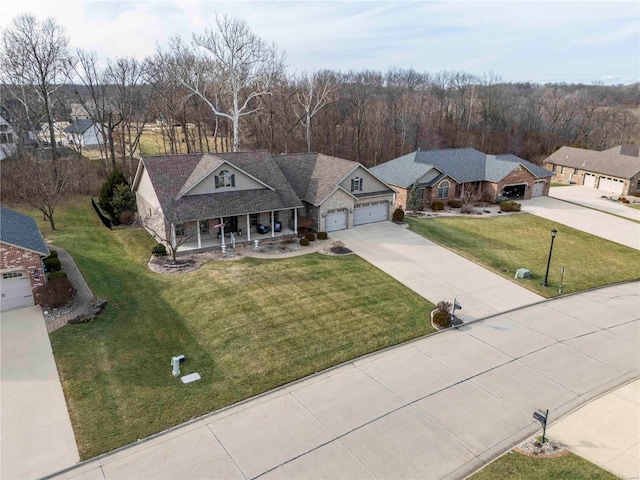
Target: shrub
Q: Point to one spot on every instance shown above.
(304, 242)
(444, 306)
(437, 206)
(126, 217)
(56, 293)
(338, 244)
(455, 203)
(398, 215)
(122, 200)
(442, 319)
(107, 192)
(52, 264)
(52, 254)
(310, 236)
(322, 236)
(159, 250)
(54, 275)
(510, 206)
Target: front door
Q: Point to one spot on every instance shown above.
(230, 224)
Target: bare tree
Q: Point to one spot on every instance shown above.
(470, 196)
(164, 225)
(314, 91)
(34, 55)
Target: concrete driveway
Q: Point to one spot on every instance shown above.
(37, 437)
(435, 272)
(438, 407)
(597, 223)
(592, 198)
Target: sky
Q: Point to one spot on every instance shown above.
(519, 41)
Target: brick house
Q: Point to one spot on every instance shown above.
(21, 251)
(616, 170)
(443, 175)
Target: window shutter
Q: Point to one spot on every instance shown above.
(361, 182)
(217, 181)
(353, 182)
(233, 179)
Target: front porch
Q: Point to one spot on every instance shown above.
(211, 243)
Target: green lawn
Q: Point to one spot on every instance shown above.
(504, 244)
(246, 326)
(560, 184)
(514, 466)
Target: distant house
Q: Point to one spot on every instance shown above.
(7, 139)
(84, 133)
(443, 175)
(21, 251)
(58, 131)
(616, 170)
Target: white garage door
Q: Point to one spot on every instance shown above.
(611, 185)
(589, 180)
(538, 189)
(15, 291)
(370, 213)
(336, 220)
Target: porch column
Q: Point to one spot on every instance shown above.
(248, 229)
(273, 232)
(295, 221)
(222, 231)
(173, 234)
(198, 234)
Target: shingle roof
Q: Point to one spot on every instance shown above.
(314, 176)
(79, 126)
(618, 161)
(169, 174)
(461, 164)
(21, 231)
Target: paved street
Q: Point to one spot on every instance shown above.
(438, 407)
(435, 272)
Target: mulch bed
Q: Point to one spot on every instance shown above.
(537, 449)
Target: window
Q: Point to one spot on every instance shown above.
(356, 184)
(443, 189)
(6, 137)
(638, 185)
(180, 230)
(253, 219)
(561, 169)
(225, 179)
(204, 226)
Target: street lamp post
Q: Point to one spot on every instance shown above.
(546, 275)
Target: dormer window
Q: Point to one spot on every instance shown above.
(356, 184)
(225, 179)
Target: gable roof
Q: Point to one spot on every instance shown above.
(79, 126)
(170, 174)
(21, 231)
(622, 161)
(460, 164)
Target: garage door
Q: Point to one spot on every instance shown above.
(336, 220)
(15, 291)
(611, 185)
(370, 212)
(538, 189)
(589, 180)
(515, 191)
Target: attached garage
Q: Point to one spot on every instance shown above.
(337, 220)
(15, 291)
(538, 188)
(589, 180)
(515, 191)
(370, 212)
(611, 185)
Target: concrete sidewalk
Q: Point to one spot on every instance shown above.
(601, 224)
(592, 198)
(438, 407)
(435, 272)
(37, 437)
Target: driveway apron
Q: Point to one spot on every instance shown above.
(435, 272)
(592, 198)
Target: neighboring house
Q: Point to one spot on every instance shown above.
(84, 133)
(58, 131)
(7, 139)
(21, 251)
(203, 198)
(615, 170)
(443, 175)
(336, 193)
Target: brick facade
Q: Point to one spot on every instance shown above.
(520, 177)
(563, 174)
(13, 259)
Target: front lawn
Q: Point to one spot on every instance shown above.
(504, 244)
(514, 466)
(246, 326)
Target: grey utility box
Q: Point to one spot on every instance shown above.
(523, 273)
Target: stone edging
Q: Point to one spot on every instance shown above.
(561, 453)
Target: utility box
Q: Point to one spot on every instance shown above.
(523, 273)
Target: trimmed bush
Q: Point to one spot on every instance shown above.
(310, 236)
(437, 206)
(322, 236)
(442, 319)
(56, 293)
(52, 254)
(54, 275)
(455, 203)
(126, 217)
(52, 264)
(159, 250)
(304, 242)
(398, 215)
(510, 206)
